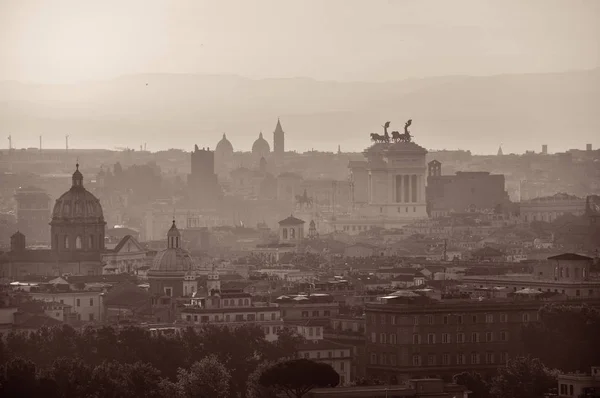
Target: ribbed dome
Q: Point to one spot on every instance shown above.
(78, 203)
(224, 146)
(173, 259)
(261, 146)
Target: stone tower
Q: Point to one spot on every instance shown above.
(278, 140)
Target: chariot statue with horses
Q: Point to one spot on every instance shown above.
(395, 137)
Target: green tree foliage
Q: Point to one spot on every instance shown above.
(475, 383)
(100, 352)
(257, 390)
(523, 377)
(572, 332)
(296, 377)
(207, 378)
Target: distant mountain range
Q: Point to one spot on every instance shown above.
(176, 111)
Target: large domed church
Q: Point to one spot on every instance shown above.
(77, 239)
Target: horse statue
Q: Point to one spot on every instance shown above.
(386, 136)
(377, 137)
(304, 200)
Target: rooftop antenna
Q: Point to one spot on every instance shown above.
(67, 142)
(10, 143)
(40, 143)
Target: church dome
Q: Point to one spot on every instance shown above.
(77, 203)
(224, 146)
(261, 146)
(174, 259)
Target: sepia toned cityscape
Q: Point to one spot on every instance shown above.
(210, 227)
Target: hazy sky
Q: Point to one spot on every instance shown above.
(55, 41)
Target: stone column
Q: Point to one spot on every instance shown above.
(400, 189)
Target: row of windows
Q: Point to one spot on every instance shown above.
(231, 302)
(445, 319)
(78, 242)
(474, 358)
(316, 313)
(228, 317)
(330, 354)
(446, 338)
(78, 302)
(275, 329)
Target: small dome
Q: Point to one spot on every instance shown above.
(224, 146)
(172, 260)
(261, 146)
(78, 203)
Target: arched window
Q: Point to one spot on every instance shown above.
(66, 242)
(78, 243)
(292, 233)
(567, 272)
(284, 232)
(91, 242)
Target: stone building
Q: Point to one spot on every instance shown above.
(464, 191)
(278, 141)
(33, 214)
(549, 208)
(202, 181)
(260, 149)
(223, 155)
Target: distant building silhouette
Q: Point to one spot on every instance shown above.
(223, 154)
(260, 148)
(202, 182)
(33, 214)
(544, 149)
(279, 140)
(500, 153)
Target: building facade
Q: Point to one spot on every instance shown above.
(202, 181)
(549, 208)
(33, 214)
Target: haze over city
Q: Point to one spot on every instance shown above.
(171, 74)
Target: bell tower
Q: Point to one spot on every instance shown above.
(278, 140)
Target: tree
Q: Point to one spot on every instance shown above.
(523, 377)
(71, 377)
(474, 382)
(298, 376)
(207, 378)
(364, 382)
(255, 389)
(18, 378)
(572, 333)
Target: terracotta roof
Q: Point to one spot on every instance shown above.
(291, 220)
(570, 256)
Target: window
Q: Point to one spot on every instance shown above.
(373, 337)
(431, 338)
(570, 389)
(204, 318)
(393, 319)
(66, 242)
(261, 317)
(315, 313)
(503, 318)
(91, 317)
(196, 318)
(373, 358)
(431, 360)
(475, 337)
(78, 303)
(239, 317)
(525, 317)
(168, 291)
(563, 389)
(445, 338)
(78, 243)
(416, 320)
(577, 293)
(460, 338)
(504, 336)
(306, 355)
(393, 360)
(430, 319)
(416, 360)
(91, 302)
(392, 338)
(503, 357)
(489, 337)
(416, 339)
(382, 317)
(460, 319)
(460, 359)
(91, 241)
(445, 319)
(489, 357)
(474, 318)
(382, 338)
(317, 331)
(383, 359)
(474, 358)
(284, 233)
(327, 313)
(188, 318)
(446, 359)
(251, 317)
(489, 318)
(304, 314)
(318, 354)
(341, 366)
